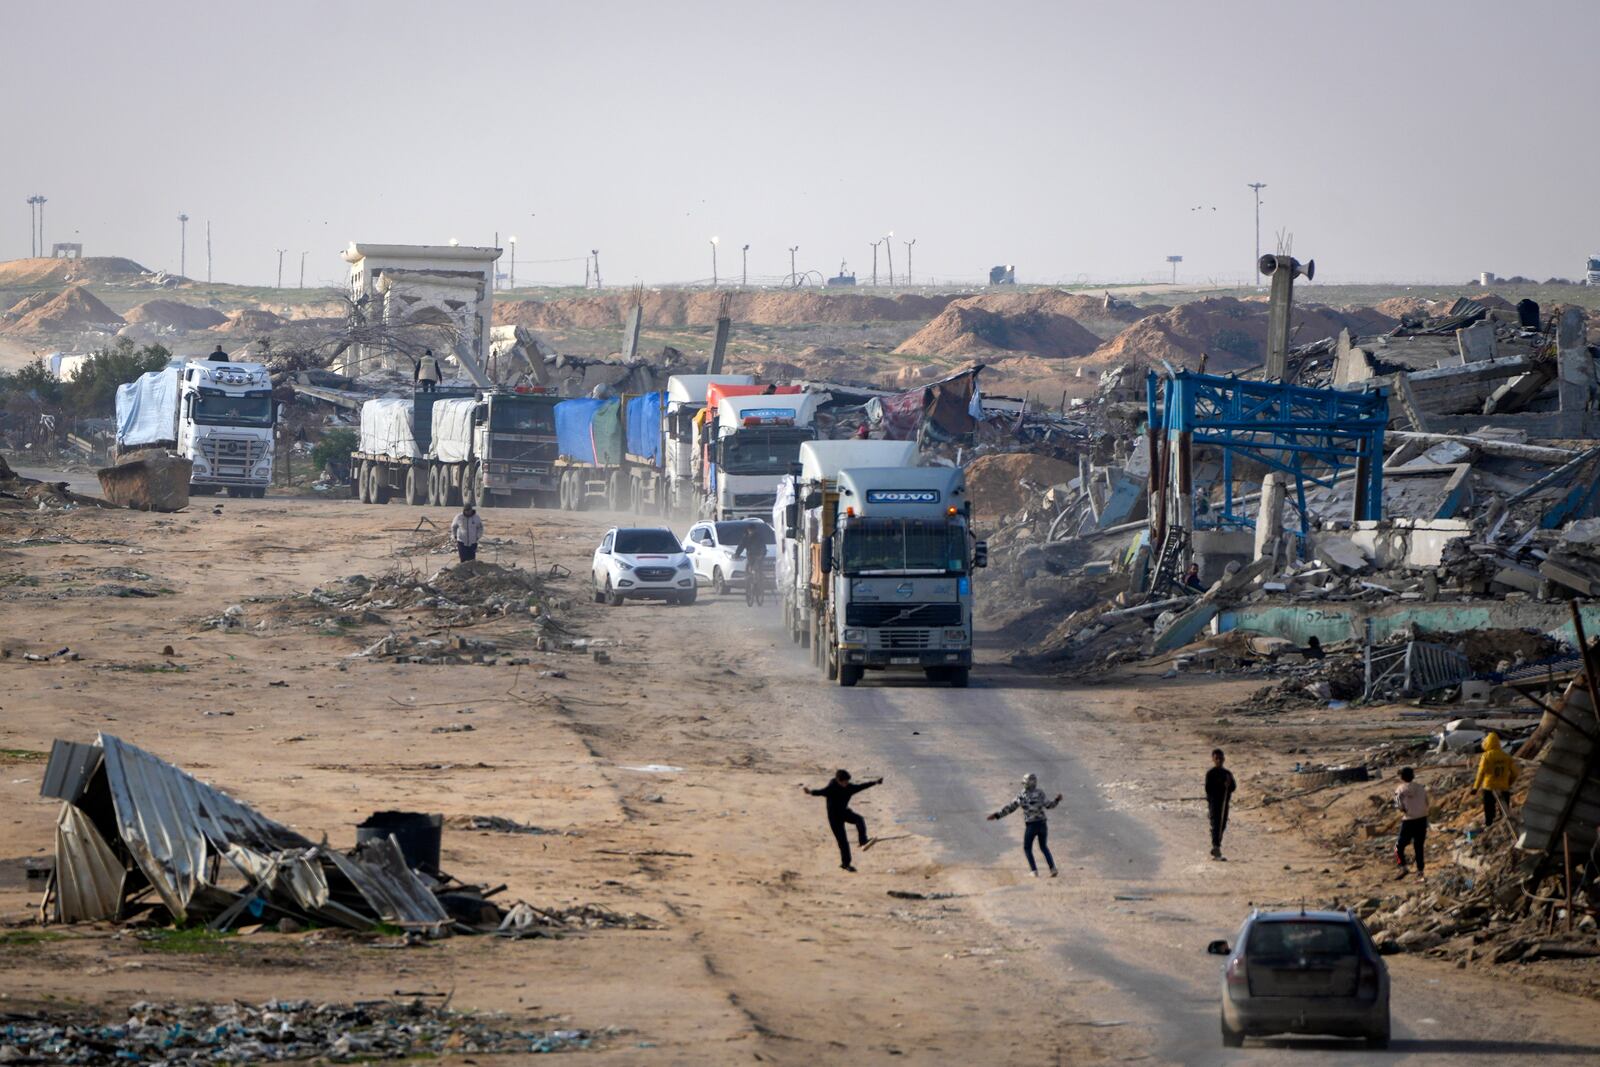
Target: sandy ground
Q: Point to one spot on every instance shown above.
(669, 779)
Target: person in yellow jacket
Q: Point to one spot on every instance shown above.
(1496, 772)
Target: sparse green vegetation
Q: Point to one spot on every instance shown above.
(21, 755)
(23, 938)
(188, 940)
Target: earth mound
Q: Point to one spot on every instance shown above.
(1034, 323)
(698, 307)
(1231, 333)
(74, 308)
(176, 315)
(994, 482)
(41, 270)
(249, 320)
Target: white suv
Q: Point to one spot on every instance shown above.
(641, 563)
(711, 546)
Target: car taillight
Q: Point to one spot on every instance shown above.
(1238, 978)
(1367, 978)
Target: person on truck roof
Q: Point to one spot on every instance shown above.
(218, 356)
(466, 530)
(838, 793)
(427, 375)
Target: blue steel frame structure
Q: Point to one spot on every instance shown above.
(1312, 435)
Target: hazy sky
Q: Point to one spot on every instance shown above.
(1399, 141)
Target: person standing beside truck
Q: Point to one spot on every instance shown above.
(838, 793)
(428, 374)
(1496, 772)
(1035, 826)
(466, 530)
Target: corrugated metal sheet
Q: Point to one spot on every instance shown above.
(1568, 767)
(89, 877)
(72, 764)
(393, 890)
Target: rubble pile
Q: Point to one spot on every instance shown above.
(273, 1032)
(462, 592)
(30, 494)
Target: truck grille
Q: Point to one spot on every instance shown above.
(920, 614)
(902, 639)
(654, 574)
(231, 457)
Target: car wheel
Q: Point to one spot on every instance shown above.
(1231, 1038)
(613, 597)
(687, 598)
(719, 585)
(599, 596)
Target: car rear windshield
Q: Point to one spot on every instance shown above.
(1301, 938)
(633, 542)
(733, 533)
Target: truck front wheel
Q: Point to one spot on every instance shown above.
(960, 677)
(849, 675)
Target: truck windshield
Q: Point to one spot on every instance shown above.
(634, 542)
(213, 407)
(880, 545)
(522, 415)
(1594, 265)
(761, 451)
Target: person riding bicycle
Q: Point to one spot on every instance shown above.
(752, 547)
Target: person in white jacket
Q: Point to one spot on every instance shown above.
(466, 530)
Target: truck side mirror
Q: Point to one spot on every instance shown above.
(980, 554)
(814, 499)
(791, 518)
(827, 554)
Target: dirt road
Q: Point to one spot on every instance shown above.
(666, 782)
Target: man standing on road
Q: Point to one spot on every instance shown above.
(466, 530)
(1034, 826)
(838, 793)
(1219, 796)
(1496, 772)
(1412, 799)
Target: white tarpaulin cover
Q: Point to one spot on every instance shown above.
(386, 429)
(147, 409)
(452, 429)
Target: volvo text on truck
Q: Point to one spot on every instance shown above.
(219, 416)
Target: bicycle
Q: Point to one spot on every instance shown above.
(755, 582)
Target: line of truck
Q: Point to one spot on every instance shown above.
(713, 446)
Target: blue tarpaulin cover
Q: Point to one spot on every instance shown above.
(588, 431)
(644, 427)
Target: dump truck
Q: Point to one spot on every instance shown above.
(218, 416)
(682, 425)
(455, 443)
(752, 438)
(812, 481)
(610, 454)
(890, 580)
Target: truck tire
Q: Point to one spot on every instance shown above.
(960, 677)
(362, 485)
(580, 491)
(259, 492)
(450, 476)
(416, 485)
(617, 496)
(849, 674)
(380, 484)
(472, 487)
(563, 492)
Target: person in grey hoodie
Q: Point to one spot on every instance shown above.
(1033, 803)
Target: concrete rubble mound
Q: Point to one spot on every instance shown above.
(271, 1032)
(31, 494)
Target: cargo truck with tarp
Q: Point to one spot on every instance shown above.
(752, 438)
(442, 447)
(682, 424)
(610, 454)
(218, 416)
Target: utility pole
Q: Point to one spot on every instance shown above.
(183, 245)
(875, 263)
(494, 272)
(793, 279)
(888, 251)
(41, 225)
(513, 240)
(281, 251)
(208, 251)
(908, 245)
(744, 266)
(596, 253)
(1258, 186)
(713, 263)
(33, 227)
(303, 256)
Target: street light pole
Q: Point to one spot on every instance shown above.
(183, 245)
(793, 278)
(744, 266)
(303, 256)
(875, 262)
(281, 251)
(33, 227)
(513, 240)
(41, 226)
(888, 251)
(713, 263)
(1258, 186)
(908, 245)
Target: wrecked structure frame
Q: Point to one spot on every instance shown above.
(1315, 435)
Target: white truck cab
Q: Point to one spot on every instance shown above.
(758, 441)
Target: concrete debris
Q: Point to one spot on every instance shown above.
(271, 1032)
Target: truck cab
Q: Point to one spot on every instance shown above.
(225, 426)
(514, 441)
(898, 566)
(756, 441)
(1591, 271)
(686, 399)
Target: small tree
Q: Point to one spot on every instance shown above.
(332, 453)
(93, 392)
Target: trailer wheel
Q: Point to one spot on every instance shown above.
(580, 491)
(450, 484)
(416, 485)
(618, 498)
(361, 487)
(380, 484)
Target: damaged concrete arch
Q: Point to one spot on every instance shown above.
(445, 286)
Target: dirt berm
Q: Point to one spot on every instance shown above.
(994, 482)
(42, 270)
(176, 315)
(695, 307)
(1043, 324)
(72, 309)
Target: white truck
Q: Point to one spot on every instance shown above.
(890, 586)
(798, 528)
(686, 398)
(219, 416)
(755, 442)
(1591, 270)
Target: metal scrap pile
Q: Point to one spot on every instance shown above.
(273, 1032)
